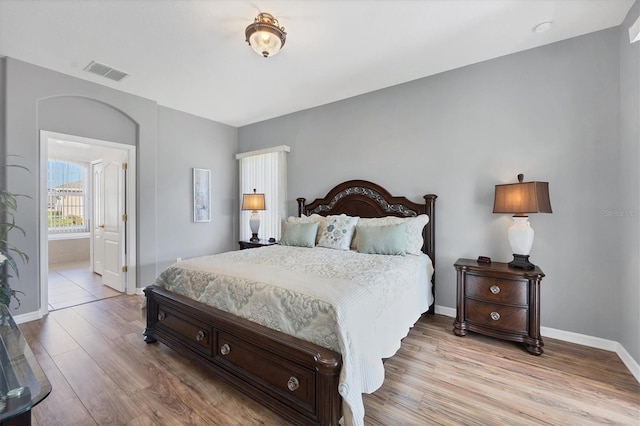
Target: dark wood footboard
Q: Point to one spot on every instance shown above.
(296, 379)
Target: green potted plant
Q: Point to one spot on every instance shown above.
(9, 252)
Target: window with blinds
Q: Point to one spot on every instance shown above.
(67, 197)
(266, 172)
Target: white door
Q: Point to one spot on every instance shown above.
(98, 218)
(113, 233)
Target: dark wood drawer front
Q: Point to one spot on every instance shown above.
(286, 378)
(191, 331)
(497, 316)
(497, 290)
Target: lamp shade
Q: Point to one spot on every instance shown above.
(253, 201)
(522, 197)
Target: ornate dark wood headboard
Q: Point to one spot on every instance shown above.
(367, 199)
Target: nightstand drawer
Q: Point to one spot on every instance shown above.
(497, 290)
(497, 316)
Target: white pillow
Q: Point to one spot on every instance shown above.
(415, 225)
(336, 232)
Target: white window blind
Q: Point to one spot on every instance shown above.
(67, 197)
(266, 171)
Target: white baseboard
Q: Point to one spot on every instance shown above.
(443, 310)
(631, 363)
(140, 291)
(580, 339)
(29, 316)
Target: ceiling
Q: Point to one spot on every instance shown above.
(192, 56)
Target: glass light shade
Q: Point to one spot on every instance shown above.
(265, 43)
(265, 36)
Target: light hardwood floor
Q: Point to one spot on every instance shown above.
(103, 373)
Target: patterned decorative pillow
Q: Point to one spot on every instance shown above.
(337, 231)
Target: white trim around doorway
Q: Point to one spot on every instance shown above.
(131, 196)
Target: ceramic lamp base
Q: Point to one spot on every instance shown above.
(521, 261)
(254, 224)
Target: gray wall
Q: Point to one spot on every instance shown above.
(551, 113)
(188, 141)
(37, 99)
(628, 225)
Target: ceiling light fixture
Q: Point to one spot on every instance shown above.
(265, 36)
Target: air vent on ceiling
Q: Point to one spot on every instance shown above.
(105, 71)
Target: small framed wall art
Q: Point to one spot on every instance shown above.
(201, 195)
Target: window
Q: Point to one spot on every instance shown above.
(67, 197)
(266, 171)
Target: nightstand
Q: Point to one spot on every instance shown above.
(499, 301)
(255, 244)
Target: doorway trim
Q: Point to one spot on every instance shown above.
(131, 196)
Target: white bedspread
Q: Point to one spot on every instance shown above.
(360, 305)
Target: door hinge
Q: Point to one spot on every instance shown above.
(124, 217)
(124, 269)
(124, 166)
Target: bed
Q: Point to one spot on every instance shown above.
(300, 376)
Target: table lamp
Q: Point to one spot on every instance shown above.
(521, 198)
(253, 202)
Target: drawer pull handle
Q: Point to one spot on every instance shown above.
(225, 349)
(495, 289)
(495, 316)
(161, 316)
(293, 383)
(200, 336)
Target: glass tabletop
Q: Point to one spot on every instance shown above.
(23, 384)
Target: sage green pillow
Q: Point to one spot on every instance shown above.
(299, 234)
(386, 239)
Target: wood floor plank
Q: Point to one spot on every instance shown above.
(130, 373)
(108, 323)
(53, 337)
(99, 394)
(104, 373)
(73, 323)
(62, 406)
